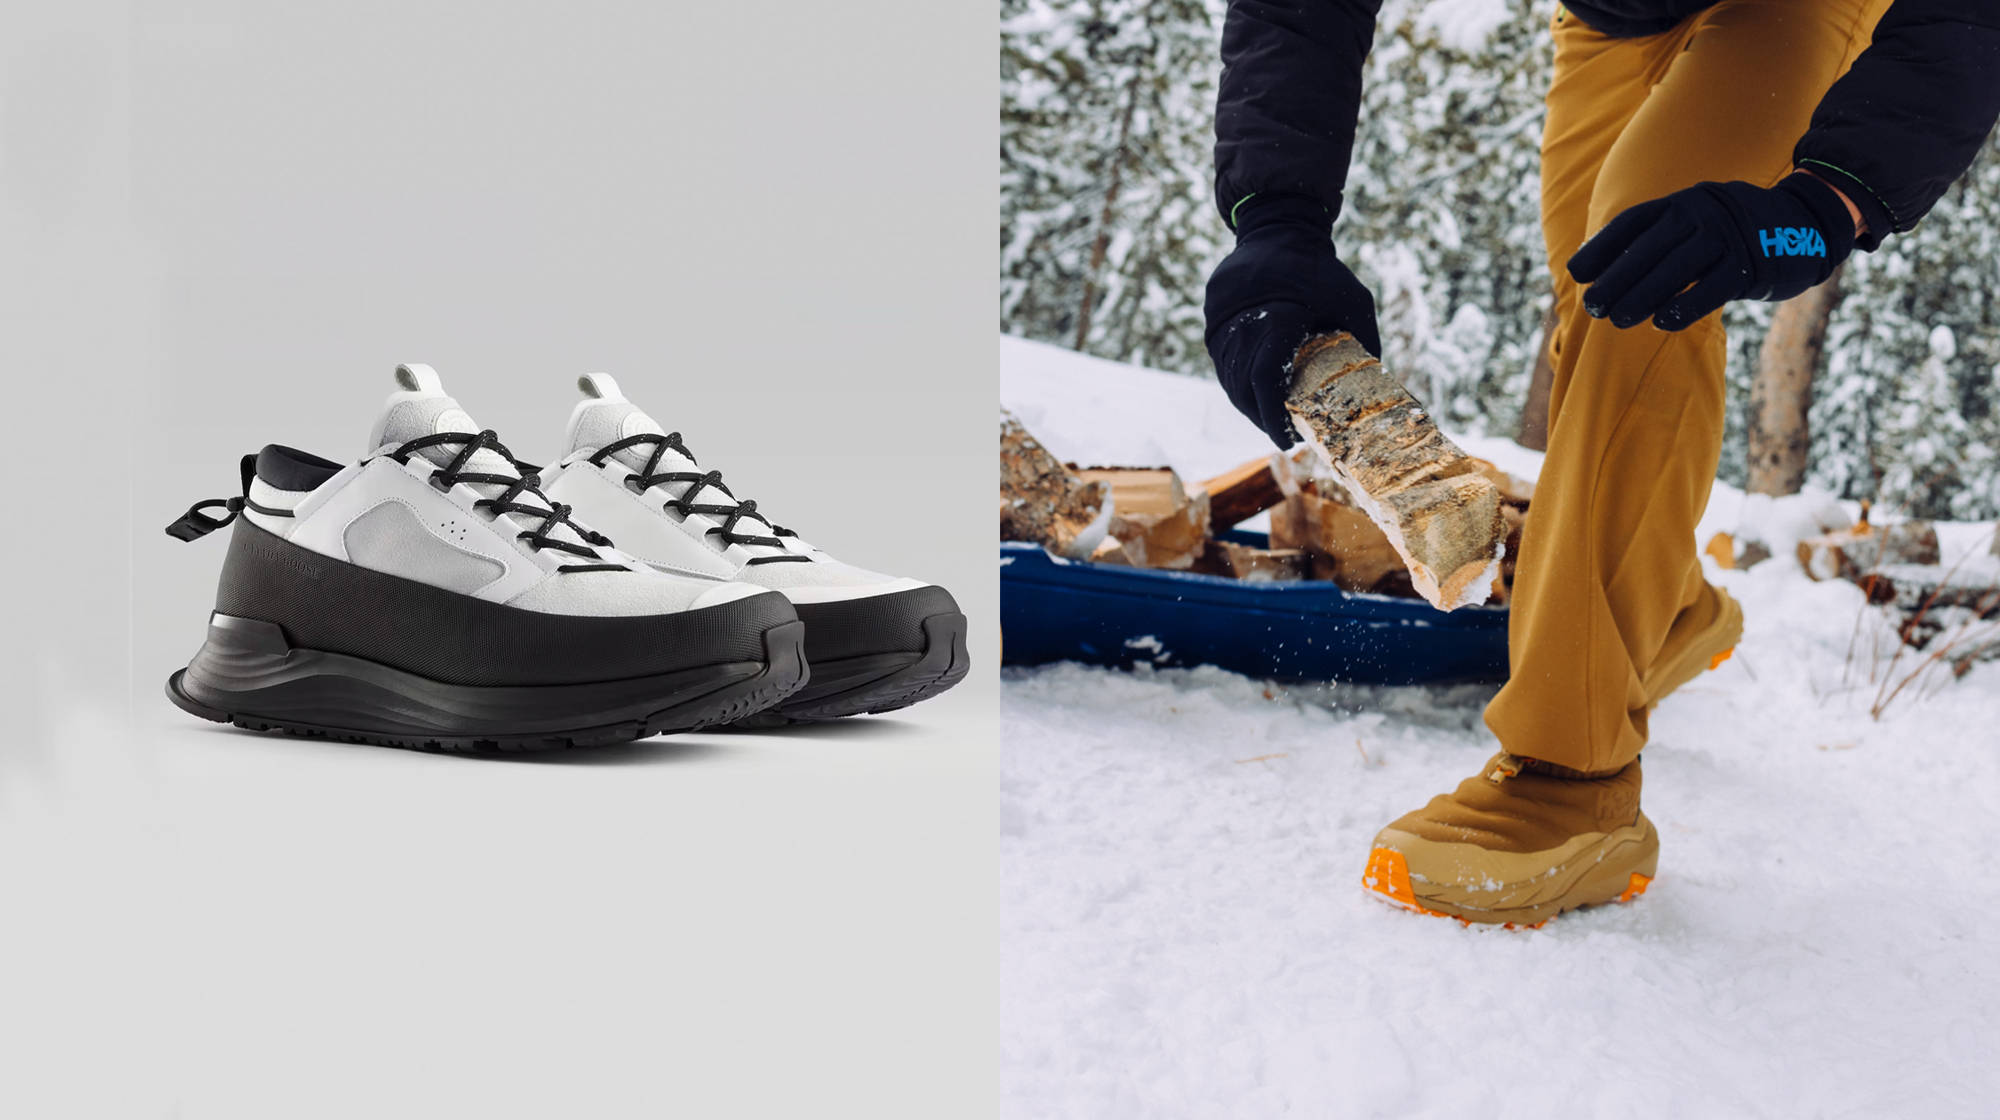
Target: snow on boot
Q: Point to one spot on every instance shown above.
(430, 596)
(874, 643)
(1518, 844)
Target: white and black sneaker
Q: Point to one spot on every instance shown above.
(874, 642)
(431, 596)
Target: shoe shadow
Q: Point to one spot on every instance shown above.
(845, 728)
(656, 751)
(659, 750)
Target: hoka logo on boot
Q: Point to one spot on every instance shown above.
(1799, 241)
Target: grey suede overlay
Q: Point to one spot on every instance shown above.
(392, 538)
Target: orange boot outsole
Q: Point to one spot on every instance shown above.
(1387, 877)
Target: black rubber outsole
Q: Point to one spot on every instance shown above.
(877, 683)
(739, 690)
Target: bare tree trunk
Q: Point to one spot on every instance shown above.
(1103, 241)
(1781, 392)
(1534, 431)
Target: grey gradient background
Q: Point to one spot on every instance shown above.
(221, 225)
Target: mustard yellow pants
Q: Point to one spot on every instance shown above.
(1608, 585)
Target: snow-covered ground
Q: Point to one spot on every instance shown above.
(1184, 933)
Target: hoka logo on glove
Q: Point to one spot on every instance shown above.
(1799, 241)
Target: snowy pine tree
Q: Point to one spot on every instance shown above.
(1107, 226)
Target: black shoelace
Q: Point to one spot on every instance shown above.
(555, 515)
(646, 479)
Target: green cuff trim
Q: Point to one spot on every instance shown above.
(1239, 206)
(1895, 223)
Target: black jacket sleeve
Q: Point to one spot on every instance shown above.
(1290, 95)
(1907, 119)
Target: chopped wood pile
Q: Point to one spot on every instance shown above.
(1151, 518)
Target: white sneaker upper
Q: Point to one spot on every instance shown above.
(640, 485)
(387, 513)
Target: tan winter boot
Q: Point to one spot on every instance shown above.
(1518, 844)
(1686, 657)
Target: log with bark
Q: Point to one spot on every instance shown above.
(1043, 501)
(1438, 511)
(1243, 492)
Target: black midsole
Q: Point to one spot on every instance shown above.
(872, 625)
(248, 667)
(884, 681)
(830, 678)
(337, 607)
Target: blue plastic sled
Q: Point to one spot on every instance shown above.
(1311, 630)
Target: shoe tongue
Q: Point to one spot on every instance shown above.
(420, 408)
(604, 417)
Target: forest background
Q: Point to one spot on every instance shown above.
(1109, 230)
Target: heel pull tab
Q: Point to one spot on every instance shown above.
(194, 524)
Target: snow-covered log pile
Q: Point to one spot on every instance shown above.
(1942, 602)
(1946, 612)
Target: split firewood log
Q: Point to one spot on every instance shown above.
(1157, 523)
(1042, 501)
(1346, 547)
(1238, 494)
(1177, 539)
(1439, 512)
(1253, 565)
(1139, 491)
(1111, 550)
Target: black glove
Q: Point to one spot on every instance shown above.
(1283, 284)
(1729, 240)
